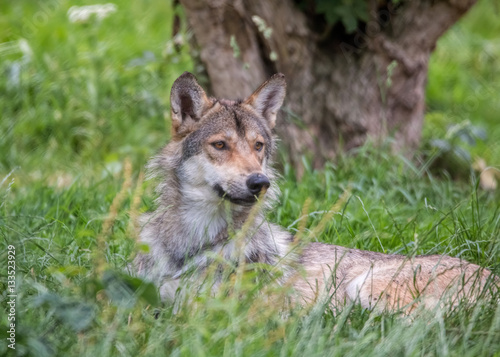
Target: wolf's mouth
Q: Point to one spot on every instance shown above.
(243, 201)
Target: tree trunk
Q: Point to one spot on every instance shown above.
(342, 88)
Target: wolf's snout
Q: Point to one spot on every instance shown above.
(256, 182)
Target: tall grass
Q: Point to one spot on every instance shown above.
(77, 94)
(78, 99)
(73, 302)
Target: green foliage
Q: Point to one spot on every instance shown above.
(451, 151)
(71, 312)
(94, 90)
(78, 98)
(349, 12)
(66, 307)
(464, 81)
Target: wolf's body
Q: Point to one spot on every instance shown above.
(216, 164)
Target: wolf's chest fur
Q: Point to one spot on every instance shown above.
(180, 238)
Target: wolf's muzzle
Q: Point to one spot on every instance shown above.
(256, 182)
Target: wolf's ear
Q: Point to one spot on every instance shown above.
(268, 98)
(188, 101)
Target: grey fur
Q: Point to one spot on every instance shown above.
(191, 223)
(196, 209)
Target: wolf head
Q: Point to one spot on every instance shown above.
(223, 148)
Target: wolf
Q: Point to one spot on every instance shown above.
(218, 167)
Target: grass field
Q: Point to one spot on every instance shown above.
(83, 107)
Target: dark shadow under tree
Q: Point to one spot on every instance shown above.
(353, 71)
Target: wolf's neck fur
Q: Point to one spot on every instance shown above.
(192, 224)
(204, 216)
(204, 219)
(190, 221)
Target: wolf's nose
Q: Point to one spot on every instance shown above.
(255, 182)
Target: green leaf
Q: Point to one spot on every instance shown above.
(347, 12)
(76, 314)
(124, 289)
(350, 22)
(325, 8)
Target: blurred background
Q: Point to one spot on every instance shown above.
(81, 92)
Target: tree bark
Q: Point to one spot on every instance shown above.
(342, 88)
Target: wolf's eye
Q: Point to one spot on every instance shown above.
(219, 145)
(259, 146)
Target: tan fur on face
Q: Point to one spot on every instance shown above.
(239, 156)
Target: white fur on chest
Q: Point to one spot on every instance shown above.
(202, 213)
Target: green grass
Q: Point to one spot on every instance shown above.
(87, 93)
(464, 80)
(393, 208)
(88, 96)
